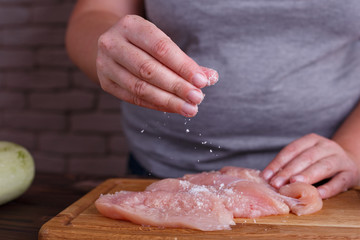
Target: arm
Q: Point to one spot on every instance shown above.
(132, 59)
(89, 20)
(313, 158)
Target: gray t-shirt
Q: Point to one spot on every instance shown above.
(287, 68)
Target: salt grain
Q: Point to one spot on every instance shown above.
(229, 191)
(187, 130)
(184, 184)
(198, 189)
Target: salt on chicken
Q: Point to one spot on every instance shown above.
(209, 201)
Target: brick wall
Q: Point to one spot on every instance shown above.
(46, 103)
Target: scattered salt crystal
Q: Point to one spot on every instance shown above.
(229, 191)
(187, 130)
(142, 131)
(204, 142)
(254, 220)
(184, 184)
(198, 188)
(200, 134)
(210, 150)
(219, 147)
(199, 204)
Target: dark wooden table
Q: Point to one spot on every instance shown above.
(48, 195)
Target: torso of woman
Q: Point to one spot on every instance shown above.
(287, 68)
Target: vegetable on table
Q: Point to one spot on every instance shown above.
(17, 171)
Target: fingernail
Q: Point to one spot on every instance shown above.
(199, 80)
(267, 174)
(322, 192)
(278, 182)
(297, 178)
(195, 96)
(214, 77)
(189, 110)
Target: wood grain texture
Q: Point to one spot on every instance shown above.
(339, 219)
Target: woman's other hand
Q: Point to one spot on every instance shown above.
(311, 159)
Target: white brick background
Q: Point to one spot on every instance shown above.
(46, 104)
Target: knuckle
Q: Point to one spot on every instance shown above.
(126, 21)
(162, 47)
(105, 85)
(289, 149)
(309, 157)
(105, 43)
(177, 87)
(328, 164)
(185, 69)
(147, 70)
(167, 103)
(313, 136)
(137, 101)
(139, 89)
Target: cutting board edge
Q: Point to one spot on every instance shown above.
(65, 217)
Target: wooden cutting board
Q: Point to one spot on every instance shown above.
(339, 219)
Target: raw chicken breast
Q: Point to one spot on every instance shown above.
(250, 200)
(199, 210)
(244, 192)
(215, 179)
(303, 198)
(208, 201)
(251, 175)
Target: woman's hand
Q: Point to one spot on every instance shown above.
(138, 63)
(311, 159)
